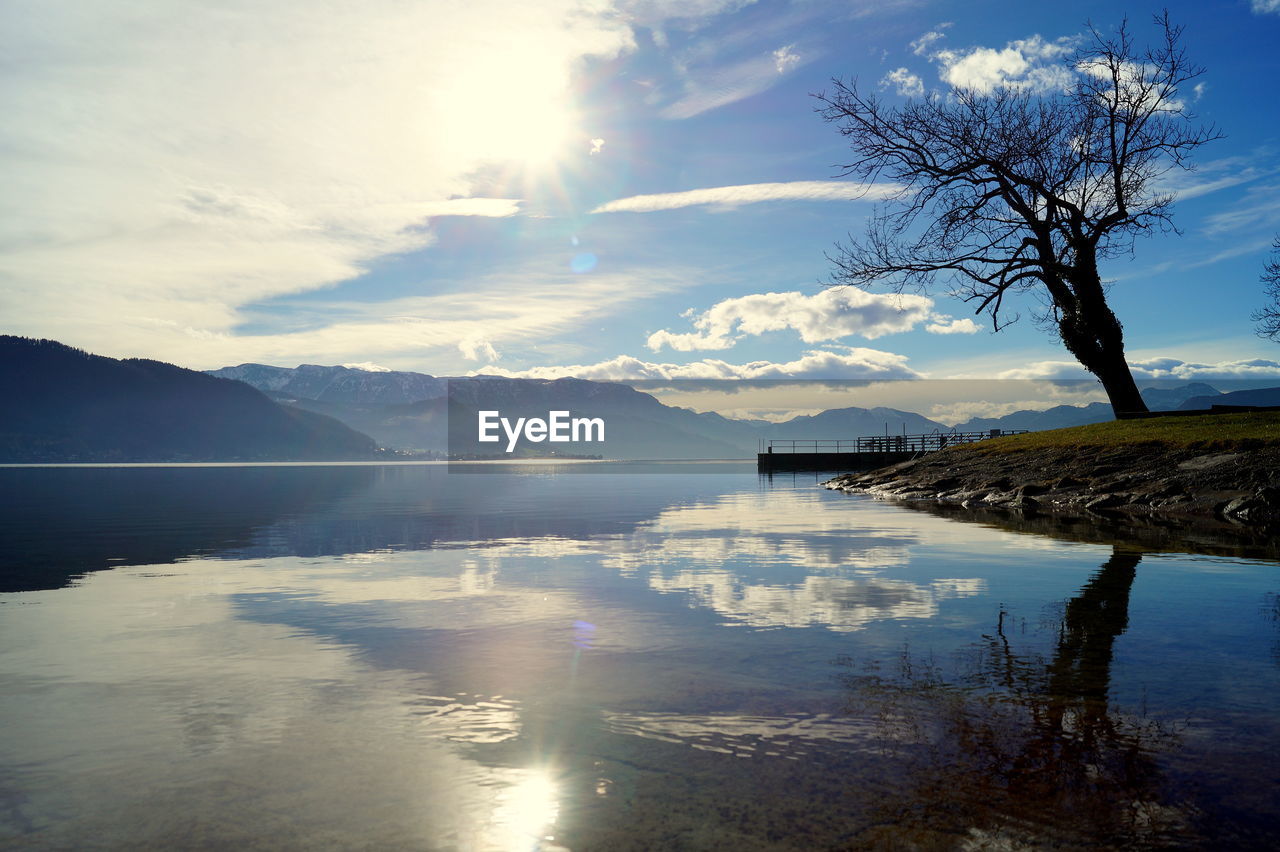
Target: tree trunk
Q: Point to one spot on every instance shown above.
(1118, 382)
(1091, 332)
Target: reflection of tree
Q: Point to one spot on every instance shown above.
(1271, 609)
(1025, 746)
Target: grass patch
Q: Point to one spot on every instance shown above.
(1209, 432)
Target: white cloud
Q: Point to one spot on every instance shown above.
(785, 58)
(1174, 368)
(1264, 7)
(751, 193)
(849, 363)
(1155, 368)
(946, 325)
(953, 413)
(368, 367)
(1031, 63)
(904, 83)
(828, 315)
(921, 46)
(478, 349)
(1134, 82)
(168, 164)
(597, 145)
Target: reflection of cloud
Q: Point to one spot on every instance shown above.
(474, 720)
(745, 736)
(202, 718)
(836, 603)
(689, 548)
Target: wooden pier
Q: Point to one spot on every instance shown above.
(866, 453)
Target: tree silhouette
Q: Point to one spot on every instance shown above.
(1015, 191)
(1025, 744)
(1268, 318)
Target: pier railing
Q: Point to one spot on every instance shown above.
(884, 443)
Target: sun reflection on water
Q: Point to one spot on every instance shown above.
(525, 813)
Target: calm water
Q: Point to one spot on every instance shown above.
(399, 657)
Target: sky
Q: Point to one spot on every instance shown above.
(608, 189)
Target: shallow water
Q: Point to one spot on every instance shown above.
(401, 657)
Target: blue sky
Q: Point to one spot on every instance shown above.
(572, 187)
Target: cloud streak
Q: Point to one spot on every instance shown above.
(751, 193)
(842, 363)
(723, 84)
(1156, 368)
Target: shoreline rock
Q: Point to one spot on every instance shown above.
(1239, 486)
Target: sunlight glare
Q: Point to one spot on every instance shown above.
(513, 106)
(525, 813)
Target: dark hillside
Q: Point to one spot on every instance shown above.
(63, 404)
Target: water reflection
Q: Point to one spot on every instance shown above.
(806, 568)
(422, 661)
(792, 737)
(525, 813)
(837, 603)
(1018, 748)
(1151, 534)
(169, 722)
(59, 523)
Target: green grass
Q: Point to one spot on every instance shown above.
(1209, 432)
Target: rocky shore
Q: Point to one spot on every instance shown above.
(1237, 485)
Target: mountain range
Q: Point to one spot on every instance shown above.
(63, 404)
(410, 411)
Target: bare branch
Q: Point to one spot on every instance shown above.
(1268, 317)
(1011, 191)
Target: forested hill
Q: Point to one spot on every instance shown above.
(64, 405)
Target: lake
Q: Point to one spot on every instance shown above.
(639, 657)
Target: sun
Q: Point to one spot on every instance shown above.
(546, 133)
(515, 108)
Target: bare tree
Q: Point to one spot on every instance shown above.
(1268, 318)
(1017, 191)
